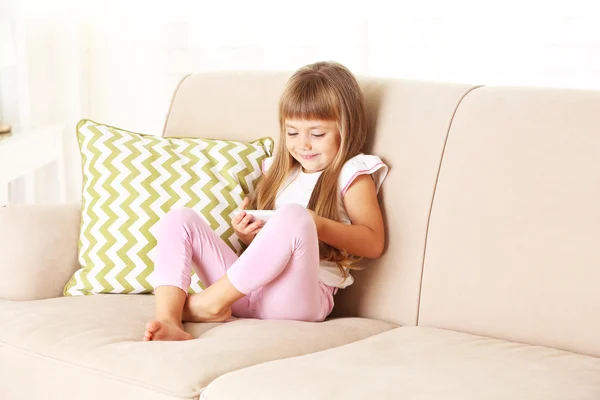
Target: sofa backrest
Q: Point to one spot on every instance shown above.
(409, 122)
(513, 247)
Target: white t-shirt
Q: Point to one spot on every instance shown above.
(299, 188)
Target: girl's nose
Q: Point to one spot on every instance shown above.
(305, 143)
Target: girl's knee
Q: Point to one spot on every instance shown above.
(295, 213)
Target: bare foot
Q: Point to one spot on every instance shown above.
(165, 330)
(197, 310)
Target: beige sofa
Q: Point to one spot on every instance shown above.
(488, 288)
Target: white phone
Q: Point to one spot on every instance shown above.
(257, 214)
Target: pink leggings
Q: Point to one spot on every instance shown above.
(278, 272)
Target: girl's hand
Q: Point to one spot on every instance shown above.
(245, 230)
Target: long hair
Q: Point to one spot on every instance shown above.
(320, 91)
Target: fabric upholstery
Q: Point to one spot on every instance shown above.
(513, 244)
(38, 249)
(415, 363)
(98, 339)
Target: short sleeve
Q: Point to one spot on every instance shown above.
(266, 164)
(362, 164)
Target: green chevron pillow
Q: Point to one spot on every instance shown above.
(130, 180)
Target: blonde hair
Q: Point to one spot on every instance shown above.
(319, 91)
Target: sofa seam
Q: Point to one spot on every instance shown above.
(194, 396)
(168, 116)
(441, 160)
(203, 395)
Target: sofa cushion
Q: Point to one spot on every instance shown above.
(35, 261)
(131, 180)
(419, 363)
(95, 342)
(512, 246)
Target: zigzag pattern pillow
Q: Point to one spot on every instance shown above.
(130, 180)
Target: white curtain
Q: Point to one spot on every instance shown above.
(118, 61)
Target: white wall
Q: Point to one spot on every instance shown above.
(118, 61)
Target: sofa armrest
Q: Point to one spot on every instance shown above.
(38, 249)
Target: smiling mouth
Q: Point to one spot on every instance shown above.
(307, 157)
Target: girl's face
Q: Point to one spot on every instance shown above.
(313, 143)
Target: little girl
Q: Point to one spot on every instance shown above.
(324, 191)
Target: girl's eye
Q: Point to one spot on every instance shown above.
(317, 135)
(292, 133)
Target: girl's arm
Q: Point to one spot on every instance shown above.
(366, 236)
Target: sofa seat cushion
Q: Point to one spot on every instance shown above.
(419, 363)
(95, 342)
